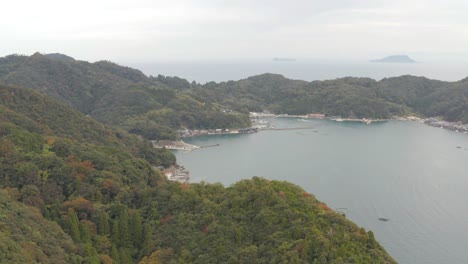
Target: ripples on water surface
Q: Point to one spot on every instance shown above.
(410, 173)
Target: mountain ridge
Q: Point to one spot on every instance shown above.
(156, 107)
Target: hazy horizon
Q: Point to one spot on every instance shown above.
(145, 31)
(307, 71)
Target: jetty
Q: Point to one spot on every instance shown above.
(174, 145)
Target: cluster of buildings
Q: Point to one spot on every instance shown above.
(316, 116)
(176, 173)
(200, 132)
(255, 115)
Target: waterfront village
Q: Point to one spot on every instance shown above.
(431, 121)
(184, 133)
(175, 173)
(180, 174)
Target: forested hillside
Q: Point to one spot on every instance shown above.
(117, 95)
(77, 191)
(256, 221)
(26, 237)
(345, 97)
(89, 193)
(155, 107)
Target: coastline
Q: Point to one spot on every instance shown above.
(430, 121)
(186, 133)
(258, 123)
(174, 145)
(255, 115)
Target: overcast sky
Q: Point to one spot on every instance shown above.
(172, 30)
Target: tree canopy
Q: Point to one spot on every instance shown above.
(73, 190)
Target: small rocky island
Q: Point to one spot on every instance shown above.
(395, 59)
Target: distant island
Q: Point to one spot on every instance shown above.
(396, 59)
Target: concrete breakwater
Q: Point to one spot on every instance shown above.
(174, 145)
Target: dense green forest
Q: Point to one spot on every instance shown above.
(118, 96)
(345, 97)
(77, 191)
(155, 107)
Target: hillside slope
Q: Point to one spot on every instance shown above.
(345, 97)
(257, 221)
(117, 95)
(26, 237)
(155, 107)
(58, 165)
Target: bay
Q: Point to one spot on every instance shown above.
(412, 174)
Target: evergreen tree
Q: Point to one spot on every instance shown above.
(104, 228)
(84, 234)
(115, 255)
(125, 257)
(136, 229)
(115, 235)
(148, 241)
(73, 225)
(92, 256)
(124, 230)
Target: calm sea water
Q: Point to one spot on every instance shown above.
(308, 70)
(407, 172)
